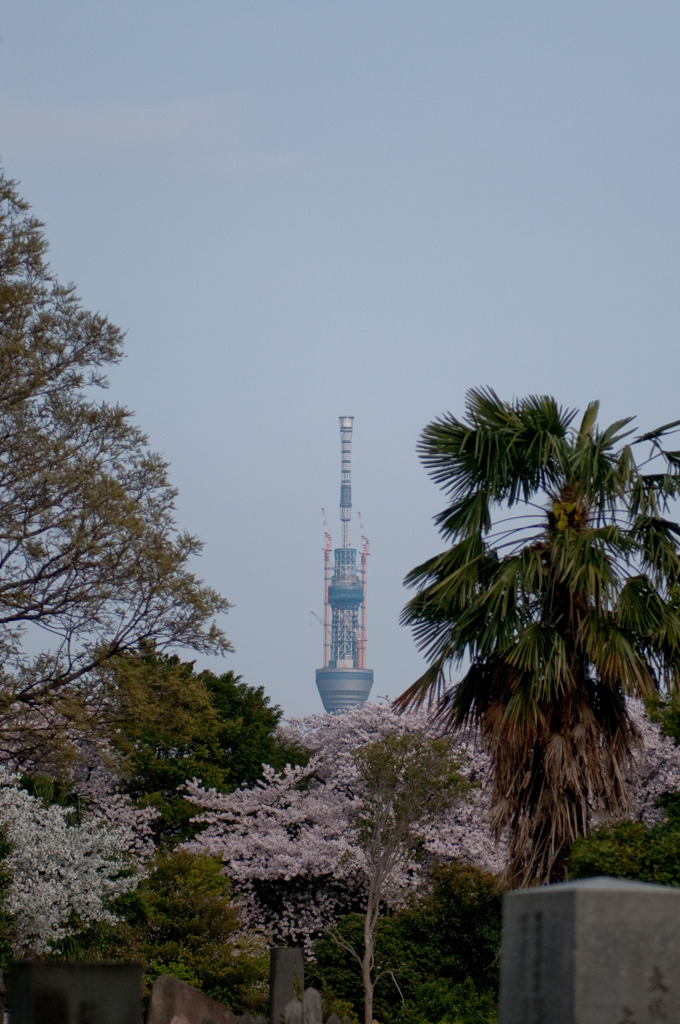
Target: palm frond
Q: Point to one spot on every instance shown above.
(658, 432)
(588, 421)
(558, 615)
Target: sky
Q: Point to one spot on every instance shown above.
(303, 210)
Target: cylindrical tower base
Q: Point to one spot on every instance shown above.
(342, 688)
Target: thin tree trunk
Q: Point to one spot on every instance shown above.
(367, 970)
(368, 963)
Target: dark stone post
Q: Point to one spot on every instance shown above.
(53, 993)
(286, 980)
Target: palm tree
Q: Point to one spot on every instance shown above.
(558, 598)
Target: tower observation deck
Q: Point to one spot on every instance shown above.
(344, 681)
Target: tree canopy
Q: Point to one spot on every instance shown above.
(407, 782)
(91, 560)
(438, 955)
(58, 869)
(169, 723)
(181, 920)
(558, 598)
(346, 829)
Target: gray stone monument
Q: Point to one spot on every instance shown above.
(307, 1011)
(293, 1012)
(599, 951)
(286, 980)
(311, 1007)
(174, 1000)
(75, 993)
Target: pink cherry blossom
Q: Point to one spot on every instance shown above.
(298, 827)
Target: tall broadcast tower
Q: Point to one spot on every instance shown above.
(344, 681)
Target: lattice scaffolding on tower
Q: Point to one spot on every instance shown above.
(344, 681)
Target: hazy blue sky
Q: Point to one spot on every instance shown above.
(309, 209)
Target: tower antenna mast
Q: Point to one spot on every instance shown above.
(345, 476)
(327, 546)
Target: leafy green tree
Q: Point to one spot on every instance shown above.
(191, 924)
(631, 849)
(439, 955)
(463, 914)
(247, 730)
(171, 724)
(407, 783)
(90, 557)
(180, 921)
(559, 593)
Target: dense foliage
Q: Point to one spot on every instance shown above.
(438, 957)
(166, 723)
(294, 845)
(559, 592)
(632, 849)
(181, 920)
(62, 872)
(169, 723)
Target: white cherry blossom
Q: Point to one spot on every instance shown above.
(59, 869)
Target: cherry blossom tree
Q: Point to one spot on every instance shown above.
(287, 846)
(463, 831)
(97, 783)
(291, 843)
(62, 872)
(310, 843)
(654, 768)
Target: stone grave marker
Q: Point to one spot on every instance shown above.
(598, 951)
(286, 980)
(293, 1012)
(174, 1000)
(311, 1006)
(305, 1011)
(52, 993)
